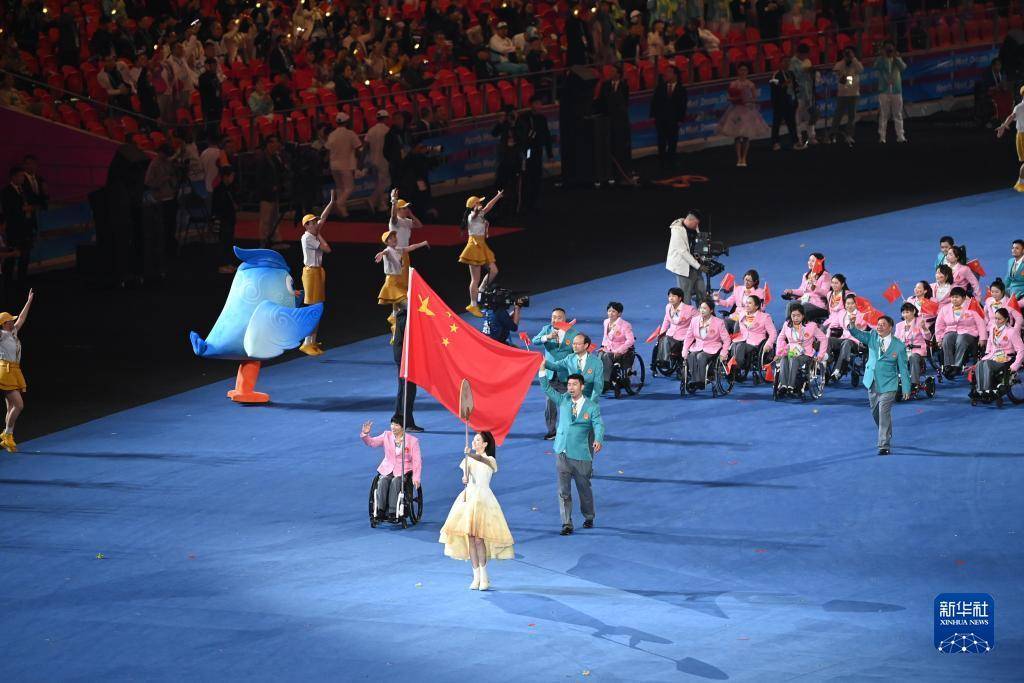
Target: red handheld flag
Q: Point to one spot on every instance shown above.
(893, 293)
(769, 372)
(767, 295)
(441, 350)
(864, 304)
(736, 336)
(728, 282)
(872, 316)
(928, 306)
(975, 265)
(730, 365)
(976, 307)
(654, 335)
(565, 327)
(592, 348)
(1011, 302)
(525, 338)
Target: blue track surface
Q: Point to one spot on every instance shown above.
(737, 538)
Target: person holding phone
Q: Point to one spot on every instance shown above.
(848, 71)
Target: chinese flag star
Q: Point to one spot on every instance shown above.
(444, 340)
(454, 327)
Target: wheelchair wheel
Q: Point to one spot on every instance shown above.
(655, 365)
(724, 381)
(816, 381)
(633, 377)
(373, 503)
(411, 505)
(929, 386)
(1015, 392)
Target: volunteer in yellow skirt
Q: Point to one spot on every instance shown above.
(12, 382)
(1016, 115)
(396, 282)
(314, 278)
(403, 222)
(477, 254)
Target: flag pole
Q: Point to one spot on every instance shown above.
(403, 370)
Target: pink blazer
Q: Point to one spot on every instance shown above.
(917, 304)
(1008, 342)
(621, 338)
(968, 322)
(816, 292)
(754, 331)
(990, 312)
(677, 321)
(916, 336)
(392, 462)
(837, 302)
(805, 341)
(837, 319)
(964, 276)
(940, 300)
(739, 296)
(715, 339)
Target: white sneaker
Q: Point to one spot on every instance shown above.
(476, 579)
(485, 583)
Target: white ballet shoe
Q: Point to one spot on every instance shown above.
(485, 583)
(476, 579)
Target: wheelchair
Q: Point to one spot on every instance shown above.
(753, 369)
(810, 381)
(927, 387)
(1008, 384)
(717, 376)
(938, 361)
(855, 367)
(408, 508)
(628, 377)
(665, 368)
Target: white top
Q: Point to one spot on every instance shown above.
(581, 361)
(402, 228)
(477, 225)
(883, 342)
(312, 254)
(479, 474)
(503, 46)
(375, 143)
(561, 335)
(392, 261)
(208, 162)
(10, 347)
(1018, 115)
(342, 144)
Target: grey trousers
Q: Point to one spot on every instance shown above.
(388, 488)
(692, 284)
(955, 348)
(881, 411)
(551, 408)
(916, 364)
(846, 107)
(580, 471)
(986, 372)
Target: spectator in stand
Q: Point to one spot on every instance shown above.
(668, 109)
(162, 181)
(281, 95)
(182, 79)
(613, 101)
(426, 126)
(260, 103)
(141, 77)
(807, 109)
(784, 104)
(848, 71)
(689, 40)
(577, 38)
(342, 145)
(101, 45)
(210, 161)
(483, 68)
(69, 42)
(344, 76)
(633, 48)
(890, 67)
(377, 164)
(210, 99)
(225, 208)
(270, 174)
(280, 59)
(657, 47)
(11, 96)
(769, 15)
(114, 81)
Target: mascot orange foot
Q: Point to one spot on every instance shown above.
(245, 384)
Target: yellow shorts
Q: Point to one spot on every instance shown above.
(1020, 147)
(476, 253)
(394, 291)
(314, 279)
(11, 377)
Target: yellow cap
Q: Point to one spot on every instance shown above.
(308, 218)
(385, 236)
(401, 204)
(1022, 91)
(473, 201)
(6, 317)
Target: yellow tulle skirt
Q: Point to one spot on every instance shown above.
(478, 515)
(476, 253)
(394, 291)
(11, 377)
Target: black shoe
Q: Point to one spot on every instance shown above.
(588, 524)
(883, 451)
(566, 530)
(550, 436)
(413, 428)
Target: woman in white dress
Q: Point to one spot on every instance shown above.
(476, 529)
(12, 382)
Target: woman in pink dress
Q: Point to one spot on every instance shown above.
(742, 120)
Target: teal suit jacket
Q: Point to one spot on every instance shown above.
(593, 373)
(573, 434)
(553, 351)
(1014, 280)
(890, 371)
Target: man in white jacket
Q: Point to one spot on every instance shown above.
(681, 262)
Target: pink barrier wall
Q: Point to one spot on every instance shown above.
(73, 162)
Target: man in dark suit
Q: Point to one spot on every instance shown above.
(536, 137)
(613, 101)
(69, 43)
(280, 60)
(406, 400)
(668, 109)
(210, 98)
(19, 220)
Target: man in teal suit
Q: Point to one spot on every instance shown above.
(584, 363)
(1015, 271)
(885, 372)
(579, 436)
(557, 345)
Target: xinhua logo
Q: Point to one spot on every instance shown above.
(965, 623)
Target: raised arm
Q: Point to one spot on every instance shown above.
(394, 203)
(490, 205)
(326, 212)
(20, 322)
(372, 441)
(860, 335)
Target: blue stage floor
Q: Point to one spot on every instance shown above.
(737, 538)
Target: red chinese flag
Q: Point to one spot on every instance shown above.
(893, 293)
(929, 306)
(731, 364)
(976, 307)
(872, 316)
(441, 350)
(592, 348)
(769, 372)
(525, 338)
(654, 335)
(864, 305)
(767, 295)
(565, 327)
(728, 282)
(975, 265)
(1012, 303)
(736, 336)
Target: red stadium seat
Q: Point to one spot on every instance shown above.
(459, 107)
(492, 98)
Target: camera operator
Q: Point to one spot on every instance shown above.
(848, 71)
(498, 324)
(682, 262)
